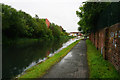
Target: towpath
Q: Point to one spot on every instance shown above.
(73, 65)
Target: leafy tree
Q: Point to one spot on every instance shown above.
(55, 30)
(18, 24)
(13, 25)
(89, 14)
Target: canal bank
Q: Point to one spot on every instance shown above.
(26, 53)
(40, 69)
(73, 65)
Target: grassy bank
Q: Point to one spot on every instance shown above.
(99, 68)
(40, 69)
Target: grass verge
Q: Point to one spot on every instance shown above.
(99, 68)
(40, 69)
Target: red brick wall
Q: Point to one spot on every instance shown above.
(96, 39)
(107, 41)
(114, 45)
(90, 37)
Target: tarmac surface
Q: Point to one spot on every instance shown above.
(73, 65)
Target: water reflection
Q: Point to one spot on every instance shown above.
(18, 59)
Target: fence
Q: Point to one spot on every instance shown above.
(107, 41)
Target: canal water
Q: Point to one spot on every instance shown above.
(16, 60)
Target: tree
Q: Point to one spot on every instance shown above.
(13, 25)
(79, 28)
(55, 30)
(19, 24)
(89, 14)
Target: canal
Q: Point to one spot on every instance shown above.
(16, 60)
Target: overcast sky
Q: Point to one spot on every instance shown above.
(60, 12)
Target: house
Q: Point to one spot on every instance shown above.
(47, 22)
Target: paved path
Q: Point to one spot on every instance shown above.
(73, 65)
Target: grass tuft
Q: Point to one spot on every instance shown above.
(99, 68)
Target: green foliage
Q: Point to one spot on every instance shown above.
(18, 24)
(89, 15)
(55, 30)
(12, 23)
(99, 68)
(110, 16)
(79, 28)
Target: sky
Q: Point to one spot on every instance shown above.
(60, 12)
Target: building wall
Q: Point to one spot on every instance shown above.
(107, 41)
(114, 45)
(101, 41)
(47, 22)
(96, 39)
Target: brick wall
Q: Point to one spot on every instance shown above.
(101, 41)
(92, 38)
(114, 45)
(107, 41)
(96, 39)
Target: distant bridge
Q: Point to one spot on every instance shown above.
(75, 34)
